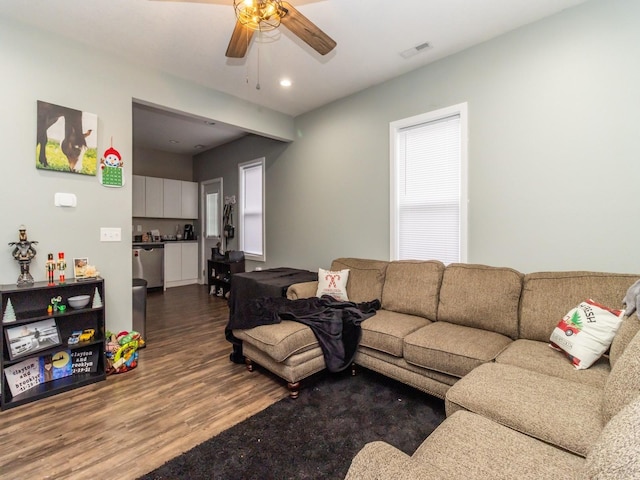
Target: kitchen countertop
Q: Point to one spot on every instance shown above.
(161, 243)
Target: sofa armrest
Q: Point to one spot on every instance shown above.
(381, 461)
(378, 460)
(302, 290)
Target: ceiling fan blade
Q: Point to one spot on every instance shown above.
(239, 42)
(306, 30)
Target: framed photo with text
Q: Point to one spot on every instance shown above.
(30, 338)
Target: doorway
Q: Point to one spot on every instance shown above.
(211, 201)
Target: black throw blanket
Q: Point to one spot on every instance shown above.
(250, 285)
(336, 324)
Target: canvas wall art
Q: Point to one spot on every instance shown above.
(67, 139)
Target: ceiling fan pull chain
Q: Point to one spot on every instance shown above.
(259, 42)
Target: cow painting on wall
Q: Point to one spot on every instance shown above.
(67, 139)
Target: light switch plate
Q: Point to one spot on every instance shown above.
(110, 234)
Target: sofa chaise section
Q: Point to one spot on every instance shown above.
(467, 446)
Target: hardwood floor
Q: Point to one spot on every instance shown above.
(184, 391)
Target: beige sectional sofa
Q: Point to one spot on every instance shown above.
(477, 336)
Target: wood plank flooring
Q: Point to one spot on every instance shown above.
(184, 391)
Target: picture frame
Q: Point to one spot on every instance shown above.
(29, 338)
(66, 139)
(79, 267)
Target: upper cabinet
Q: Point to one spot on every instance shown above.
(164, 198)
(189, 199)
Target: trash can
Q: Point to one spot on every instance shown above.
(140, 307)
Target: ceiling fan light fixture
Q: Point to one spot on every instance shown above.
(259, 15)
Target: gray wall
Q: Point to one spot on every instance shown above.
(32, 71)
(156, 163)
(553, 151)
(223, 162)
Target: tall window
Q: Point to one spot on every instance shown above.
(251, 209)
(429, 186)
(212, 217)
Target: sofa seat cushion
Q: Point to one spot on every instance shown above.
(564, 414)
(540, 357)
(385, 331)
(470, 446)
(452, 349)
(481, 297)
(280, 340)
(412, 287)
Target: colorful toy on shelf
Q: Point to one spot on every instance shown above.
(75, 337)
(87, 335)
(56, 305)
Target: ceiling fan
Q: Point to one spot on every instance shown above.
(268, 15)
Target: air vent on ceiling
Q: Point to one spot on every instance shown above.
(415, 50)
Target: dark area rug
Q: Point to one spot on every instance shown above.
(315, 436)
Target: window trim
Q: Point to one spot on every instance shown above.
(242, 167)
(395, 127)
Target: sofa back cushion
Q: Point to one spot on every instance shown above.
(480, 296)
(623, 383)
(366, 278)
(630, 326)
(548, 296)
(412, 287)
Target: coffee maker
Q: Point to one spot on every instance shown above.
(188, 232)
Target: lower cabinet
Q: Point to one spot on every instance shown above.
(45, 351)
(180, 264)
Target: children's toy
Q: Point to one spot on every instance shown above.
(75, 337)
(122, 351)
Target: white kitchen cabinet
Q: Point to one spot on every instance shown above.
(172, 263)
(189, 200)
(164, 198)
(180, 264)
(139, 209)
(190, 261)
(154, 203)
(172, 199)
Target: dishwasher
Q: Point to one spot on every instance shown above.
(148, 264)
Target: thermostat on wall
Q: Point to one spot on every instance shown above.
(65, 200)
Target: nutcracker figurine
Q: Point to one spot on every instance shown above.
(51, 268)
(62, 266)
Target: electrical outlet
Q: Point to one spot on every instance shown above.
(110, 234)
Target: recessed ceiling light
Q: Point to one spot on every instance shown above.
(285, 82)
(174, 141)
(198, 147)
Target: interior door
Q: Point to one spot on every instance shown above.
(211, 206)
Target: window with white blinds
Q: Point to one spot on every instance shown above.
(251, 210)
(428, 186)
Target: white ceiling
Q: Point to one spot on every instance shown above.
(189, 39)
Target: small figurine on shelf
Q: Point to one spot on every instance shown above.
(62, 266)
(9, 313)
(23, 253)
(51, 268)
(56, 305)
